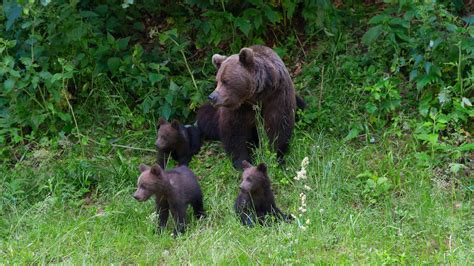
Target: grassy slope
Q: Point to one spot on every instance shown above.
(415, 222)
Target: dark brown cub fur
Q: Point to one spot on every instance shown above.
(173, 190)
(255, 199)
(181, 142)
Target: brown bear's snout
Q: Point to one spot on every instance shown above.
(213, 97)
(159, 143)
(137, 197)
(245, 186)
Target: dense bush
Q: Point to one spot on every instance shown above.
(58, 54)
(407, 64)
(431, 68)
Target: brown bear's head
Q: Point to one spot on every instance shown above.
(254, 178)
(148, 181)
(235, 79)
(168, 134)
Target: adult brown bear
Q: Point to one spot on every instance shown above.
(255, 76)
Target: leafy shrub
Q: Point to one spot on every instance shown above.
(58, 54)
(431, 52)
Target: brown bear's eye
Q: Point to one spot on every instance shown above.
(224, 82)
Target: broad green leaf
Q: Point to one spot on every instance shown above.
(113, 63)
(451, 27)
(413, 74)
(466, 147)
(272, 15)
(372, 34)
(56, 77)
(123, 43)
(154, 77)
(421, 83)
(169, 98)
(243, 25)
(289, 6)
(431, 138)
(37, 119)
(166, 111)
(353, 133)
(8, 85)
(173, 87)
(12, 11)
(110, 38)
(379, 19)
(66, 117)
(469, 20)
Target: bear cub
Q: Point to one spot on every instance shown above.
(181, 142)
(255, 199)
(174, 190)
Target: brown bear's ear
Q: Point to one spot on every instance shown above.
(217, 60)
(156, 170)
(143, 168)
(262, 168)
(246, 164)
(161, 121)
(246, 57)
(175, 124)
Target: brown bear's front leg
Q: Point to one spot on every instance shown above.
(198, 208)
(162, 158)
(235, 129)
(279, 126)
(162, 210)
(179, 214)
(280, 215)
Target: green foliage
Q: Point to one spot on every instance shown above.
(375, 188)
(430, 68)
(56, 54)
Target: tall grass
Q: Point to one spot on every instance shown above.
(348, 221)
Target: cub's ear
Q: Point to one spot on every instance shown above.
(161, 121)
(143, 168)
(217, 60)
(175, 124)
(262, 168)
(246, 57)
(156, 170)
(246, 164)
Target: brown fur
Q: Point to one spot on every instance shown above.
(255, 76)
(208, 122)
(255, 199)
(207, 117)
(177, 141)
(173, 190)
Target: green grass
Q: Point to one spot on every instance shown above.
(74, 209)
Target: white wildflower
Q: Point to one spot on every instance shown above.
(302, 173)
(305, 162)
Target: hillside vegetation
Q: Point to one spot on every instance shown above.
(387, 132)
